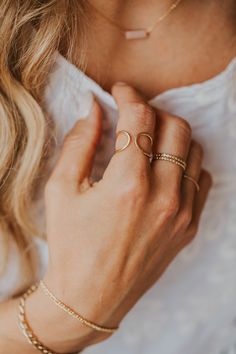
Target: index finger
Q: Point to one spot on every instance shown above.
(135, 117)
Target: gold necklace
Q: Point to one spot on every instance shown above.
(139, 33)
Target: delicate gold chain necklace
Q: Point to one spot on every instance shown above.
(139, 33)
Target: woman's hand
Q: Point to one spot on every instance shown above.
(109, 242)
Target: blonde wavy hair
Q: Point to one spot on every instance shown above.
(31, 31)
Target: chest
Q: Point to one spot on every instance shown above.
(180, 53)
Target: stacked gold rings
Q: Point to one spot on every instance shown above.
(170, 158)
(155, 156)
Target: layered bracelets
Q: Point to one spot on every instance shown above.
(28, 332)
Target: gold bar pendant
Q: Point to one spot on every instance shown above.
(136, 34)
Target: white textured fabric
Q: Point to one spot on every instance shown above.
(192, 309)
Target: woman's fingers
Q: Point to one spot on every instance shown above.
(205, 183)
(75, 161)
(173, 137)
(186, 226)
(135, 117)
(193, 170)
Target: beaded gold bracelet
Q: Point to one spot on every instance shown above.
(74, 314)
(24, 326)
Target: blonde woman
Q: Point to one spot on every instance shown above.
(106, 111)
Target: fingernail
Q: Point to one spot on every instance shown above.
(121, 83)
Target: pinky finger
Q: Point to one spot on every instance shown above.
(205, 183)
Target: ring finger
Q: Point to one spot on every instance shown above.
(173, 138)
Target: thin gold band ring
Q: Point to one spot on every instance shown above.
(191, 179)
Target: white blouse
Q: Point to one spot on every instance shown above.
(192, 309)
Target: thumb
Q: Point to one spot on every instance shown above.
(79, 146)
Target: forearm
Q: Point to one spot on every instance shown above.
(54, 328)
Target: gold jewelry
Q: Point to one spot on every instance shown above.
(128, 140)
(171, 158)
(191, 179)
(24, 326)
(148, 154)
(72, 313)
(139, 33)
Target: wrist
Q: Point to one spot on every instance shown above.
(11, 338)
(55, 328)
(79, 295)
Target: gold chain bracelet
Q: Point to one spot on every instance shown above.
(24, 326)
(74, 314)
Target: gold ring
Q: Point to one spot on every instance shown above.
(146, 153)
(128, 140)
(170, 158)
(191, 179)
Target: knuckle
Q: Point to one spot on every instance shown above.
(133, 192)
(169, 206)
(143, 112)
(130, 195)
(185, 219)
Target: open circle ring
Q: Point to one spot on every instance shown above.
(128, 136)
(146, 153)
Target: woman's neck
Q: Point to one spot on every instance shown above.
(133, 13)
(194, 43)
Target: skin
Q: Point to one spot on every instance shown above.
(184, 49)
(143, 223)
(130, 225)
